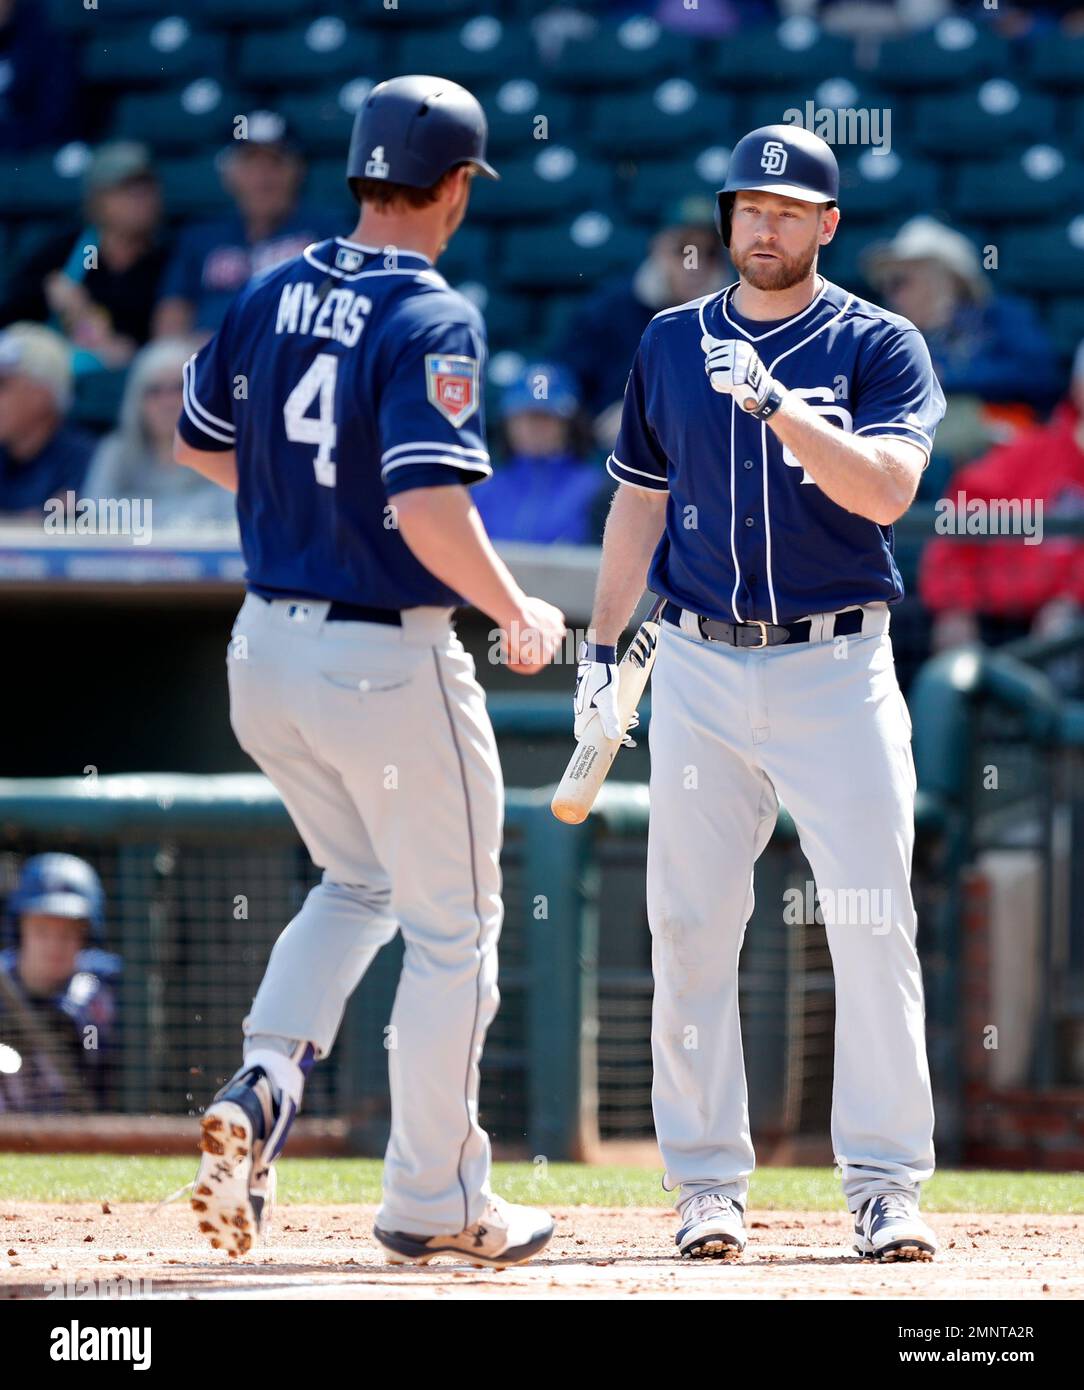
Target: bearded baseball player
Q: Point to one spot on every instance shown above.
(342, 401)
(771, 435)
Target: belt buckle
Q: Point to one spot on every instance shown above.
(756, 622)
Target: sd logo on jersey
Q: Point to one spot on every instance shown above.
(451, 384)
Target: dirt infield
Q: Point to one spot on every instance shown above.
(328, 1252)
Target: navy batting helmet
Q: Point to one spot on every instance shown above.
(59, 885)
(784, 159)
(411, 130)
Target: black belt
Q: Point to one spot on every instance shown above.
(757, 634)
(351, 612)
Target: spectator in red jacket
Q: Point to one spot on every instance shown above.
(999, 589)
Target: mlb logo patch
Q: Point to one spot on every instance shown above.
(451, 385)
(346, 259)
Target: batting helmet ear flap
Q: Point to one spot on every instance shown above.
(724, 204)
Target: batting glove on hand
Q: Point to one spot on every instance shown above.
(734, 368)
(596, 693)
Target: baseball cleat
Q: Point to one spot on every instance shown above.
(240, 1136)
(888, 1227)
(713, 1228)
(504, 1235)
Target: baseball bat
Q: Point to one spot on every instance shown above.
(594, 755)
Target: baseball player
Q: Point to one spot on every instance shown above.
(342, 401)
(771, 435)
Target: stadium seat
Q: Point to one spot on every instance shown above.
(654, 183)
(508, 316)
(97, 397)
(519, 109)
(325, 188)
(249, 14)
(320, 51)
(552, 181)
(1057, 61)
(1044, 261)
(558, 312)
(1065, 320)
(837, 109)
(44, 184)
(194, 117)
(955, 52)
(983, 122)
(191, 187)
(875, 186)
(673, 117)
(419, 11)
(1040, 183)
(469, 255)
(168, 50)
(782, 55)
(323, 120)
(574, 254)
(81, 19)
(471, 52)
(636, 51)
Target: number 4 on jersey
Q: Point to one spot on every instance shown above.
(302, 428)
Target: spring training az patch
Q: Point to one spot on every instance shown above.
(451, 385)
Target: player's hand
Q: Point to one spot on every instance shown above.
(734, 368)
(597, 681)
(533, 636)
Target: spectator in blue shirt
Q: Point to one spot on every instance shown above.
(263, 173)
(544, 491)
(40, 456)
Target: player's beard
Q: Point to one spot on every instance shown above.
(782, 274)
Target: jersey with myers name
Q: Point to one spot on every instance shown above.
(341, 378)
(749, 535)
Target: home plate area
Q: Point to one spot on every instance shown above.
(138, 1250)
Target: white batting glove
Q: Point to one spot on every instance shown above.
(734, 368)
(597, 681)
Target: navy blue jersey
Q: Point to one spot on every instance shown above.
(341, 378)
(749, 535)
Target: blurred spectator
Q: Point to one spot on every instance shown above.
(40, 456)
(872, 19)
(105, 306)
(37, 78)
(58, 990)
(685, 261)
(136, 460)
(545, 491)
(985, 345)
(995, 590)
(263, 174)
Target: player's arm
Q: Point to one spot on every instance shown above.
(206, 433)
(443, 529)
(875, 478)
(873, 471)
(221, 468)
(633, 528)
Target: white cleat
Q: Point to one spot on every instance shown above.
(888, 1227)
(712, 1228)
(504, 1235)
(231, 1193)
